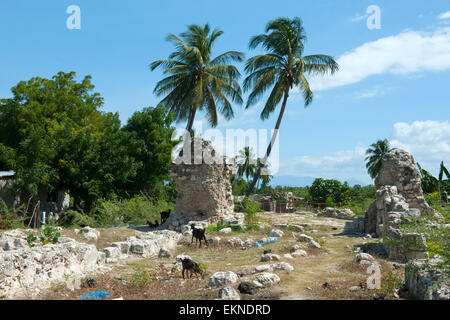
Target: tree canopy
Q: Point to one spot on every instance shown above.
(54, 136)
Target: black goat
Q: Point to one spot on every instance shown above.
(153, 225)
(198, 234)
(165, 215)
(190, 267)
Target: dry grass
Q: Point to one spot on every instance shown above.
(152, 278)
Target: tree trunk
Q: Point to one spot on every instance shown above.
(272, 142)
(190, 122)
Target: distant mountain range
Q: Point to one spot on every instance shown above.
(292, 181)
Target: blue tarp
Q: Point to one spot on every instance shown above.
(95, 295)
(271, 239)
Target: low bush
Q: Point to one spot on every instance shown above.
(137, 211)
(10, 219)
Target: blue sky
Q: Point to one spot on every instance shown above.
(393, 83)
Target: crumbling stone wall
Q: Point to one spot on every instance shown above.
(26, 271)
(203, 186)
(399, 169)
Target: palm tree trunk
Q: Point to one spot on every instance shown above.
(190, 122)
(272, 142)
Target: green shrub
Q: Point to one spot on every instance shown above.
(10, 219)
(137, 211)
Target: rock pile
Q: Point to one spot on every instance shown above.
(424, 280)
(337, 213)
(26, 271)
(399, 169)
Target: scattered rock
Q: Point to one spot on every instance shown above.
(249, 287)
(304, 238)
(337, 213)
(314, 244)
(267, 279)
(269, 257)
(229, 293)
(222, 278)
(288, 256)
(299, 253)
(364, 256)
(276, 233)
(282, 266)
(164, 253)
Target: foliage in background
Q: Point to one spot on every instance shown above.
(150, 144)
(330, 191)
(54, 136)
(10, 219)
(136, 211)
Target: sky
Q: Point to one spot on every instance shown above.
(393, 81)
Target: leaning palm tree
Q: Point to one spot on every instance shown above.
(374, 154)
(246, 163)
(282, 68)
(195, 81)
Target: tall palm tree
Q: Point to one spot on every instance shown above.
(246, 163)
(374, 154)
(196, 81)
(282, 68)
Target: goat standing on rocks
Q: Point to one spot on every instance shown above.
(198, 234)
(165, 215)
(190, 267)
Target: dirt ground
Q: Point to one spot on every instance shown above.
(326, 273)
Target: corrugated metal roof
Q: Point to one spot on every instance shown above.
(7, 173)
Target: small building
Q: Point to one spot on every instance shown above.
(51, 202)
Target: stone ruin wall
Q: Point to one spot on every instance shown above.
(204, 187)
(25, 272)
(398, 170)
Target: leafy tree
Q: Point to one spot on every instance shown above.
(323, 190)
(282, 68)
(374, 154)
(53, 135)
(196, 81)
(150, 144)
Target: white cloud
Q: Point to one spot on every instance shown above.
(445, 15)
(428, 142)
(376, 91)
(341, 165)
(406, 53)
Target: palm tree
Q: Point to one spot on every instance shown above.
(196, 81)
(265, 177)
(246, 163)
(442, 170)
(374, 156)
(429, 183)
(282, 68)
